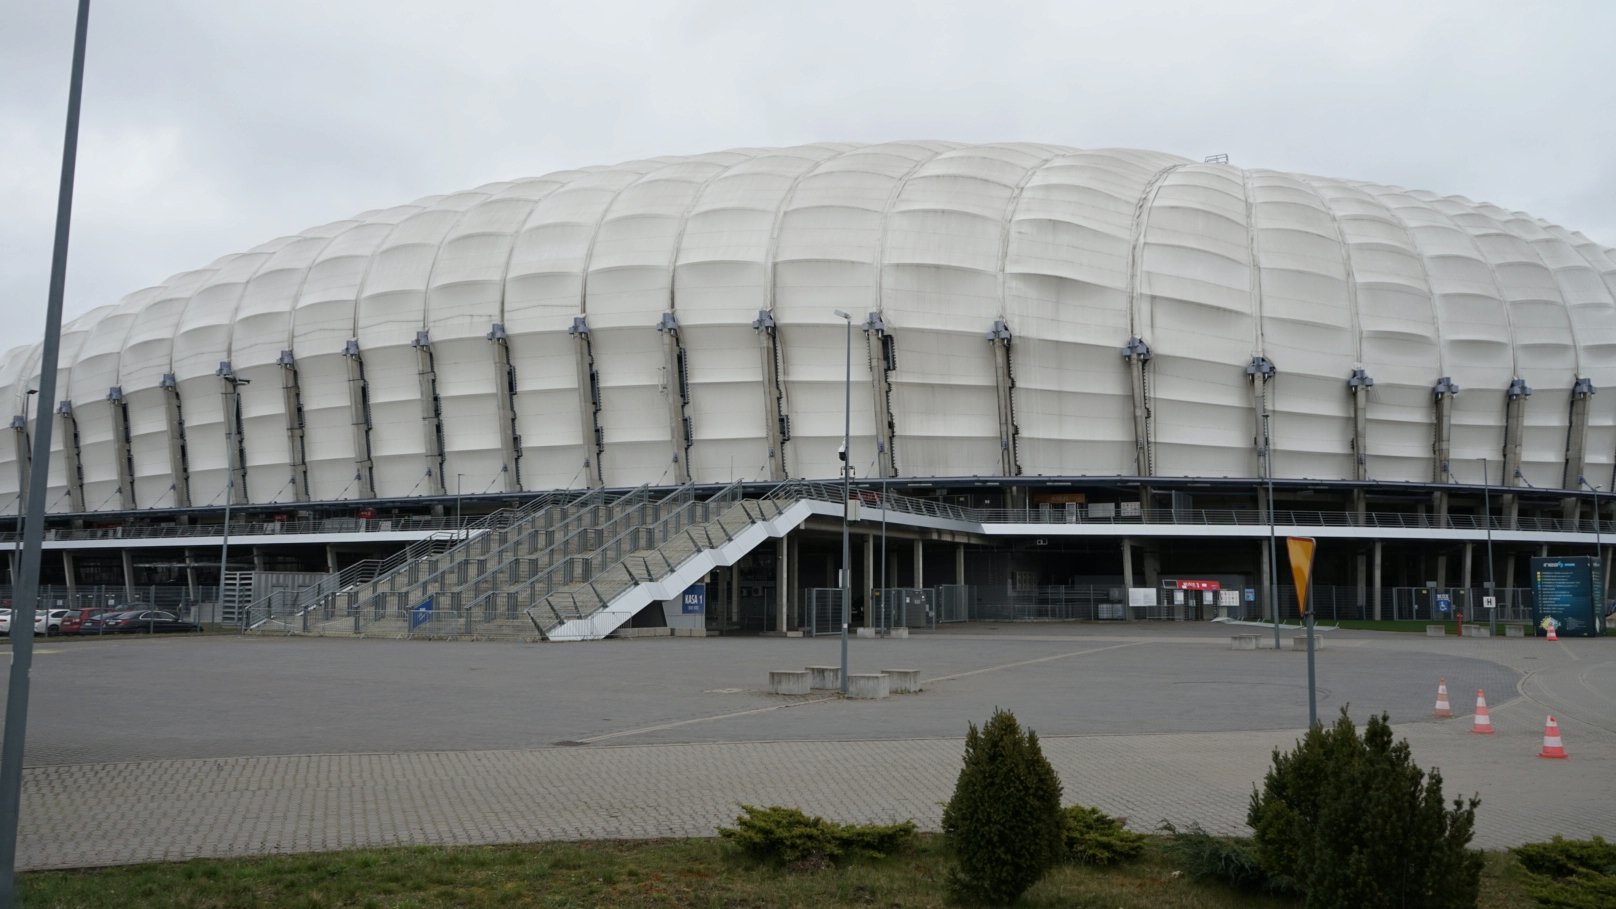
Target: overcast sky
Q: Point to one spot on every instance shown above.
(212, 126)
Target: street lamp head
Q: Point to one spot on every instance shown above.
(843, 315)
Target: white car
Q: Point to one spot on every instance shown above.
(46, 621)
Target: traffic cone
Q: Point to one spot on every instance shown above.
(1552, 746)
(1552, 635)
(1442, 710)
(1484, 723)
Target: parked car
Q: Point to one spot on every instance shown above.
(73, 622)
(49, 621)
(5, 621)
(136, 621)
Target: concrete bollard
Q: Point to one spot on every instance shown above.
(1242, 642)
(903, 681)
(788, 681)
(1514, 631)
(1436, 631)
(864, 632)
(898, 633)
(1478, 631)
(826, 677)
(868, 685)
(1299, 642)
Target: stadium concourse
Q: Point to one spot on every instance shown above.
(1080, 383)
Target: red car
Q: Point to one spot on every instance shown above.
(73, 622)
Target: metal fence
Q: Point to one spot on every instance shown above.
(820, 611)
(903, 607)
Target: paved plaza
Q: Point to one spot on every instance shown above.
(165, 749)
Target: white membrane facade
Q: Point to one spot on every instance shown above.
(1014, 309)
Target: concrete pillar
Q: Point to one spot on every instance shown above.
(959, 563)
(11, 559)
(72, 582)
(793, 577)
(920, 559)
(128, 576)
(1266, 570)
(734, 594)
(331, 559)
(1469, 557)
(1362, 560)
(1377, 591)
(190, 575)
(782, 552)
(1127, 578)
(258, 558)
(1509, 576)
(869, 580)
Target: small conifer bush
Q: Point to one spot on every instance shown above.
(1353, 821)
(1004, 822)
(786, 835)
(1570, 874)
(1096, 838)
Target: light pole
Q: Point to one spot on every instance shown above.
(1273, 559)
(1487, 517)
(885, 628)
(458, 478)
(847, 461)
(229, 484)
(1599, 552)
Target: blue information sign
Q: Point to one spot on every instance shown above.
(1444, 603)
(1563, 596)
(694, 601)
(421, 614)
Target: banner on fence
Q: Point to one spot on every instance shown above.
(421, 614)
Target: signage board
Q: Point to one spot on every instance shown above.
(1489, 602)
(1563, 596)
(1444, 603)
(694, 601)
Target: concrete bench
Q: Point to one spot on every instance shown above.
(1478, 631)
(904, 681)
(899, 632)
(1299, 642)
(868, 685)
(1436, 631)
(825, 677)
(1514, 631)
(864, 632)
(1243, 642)
(788, 681)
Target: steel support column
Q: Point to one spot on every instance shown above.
(359, 420)
(588, 403)
(426, 372)
(178, 457)
(776, 423)
(1514, 419)
(292, 401)
(1005, 383)
(1358, 385)
(122, 452)
(71, 466)
(510, 441)
(235, 450)
(1576, 457)
(676, 392)
(1136, 353)
(883, 360)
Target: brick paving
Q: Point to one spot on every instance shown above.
(661, 763)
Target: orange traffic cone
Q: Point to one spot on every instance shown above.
(1484, 723)
(1442, 710)
(1552, 746)
(1552, 635)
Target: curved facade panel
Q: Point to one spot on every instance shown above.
(1014, 309)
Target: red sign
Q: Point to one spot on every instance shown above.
(1199, 585)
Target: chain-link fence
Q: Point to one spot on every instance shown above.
(903, 607)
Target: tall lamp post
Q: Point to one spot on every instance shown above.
(458, 478)
(16, 564)
(847, 462)
(1599, 552)
(1487, 518)
(229, 485)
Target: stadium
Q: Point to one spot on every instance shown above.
(1074, 384)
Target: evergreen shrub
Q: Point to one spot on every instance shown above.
(1004, 821)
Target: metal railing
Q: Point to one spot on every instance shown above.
(610, 570)
(249, 529)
